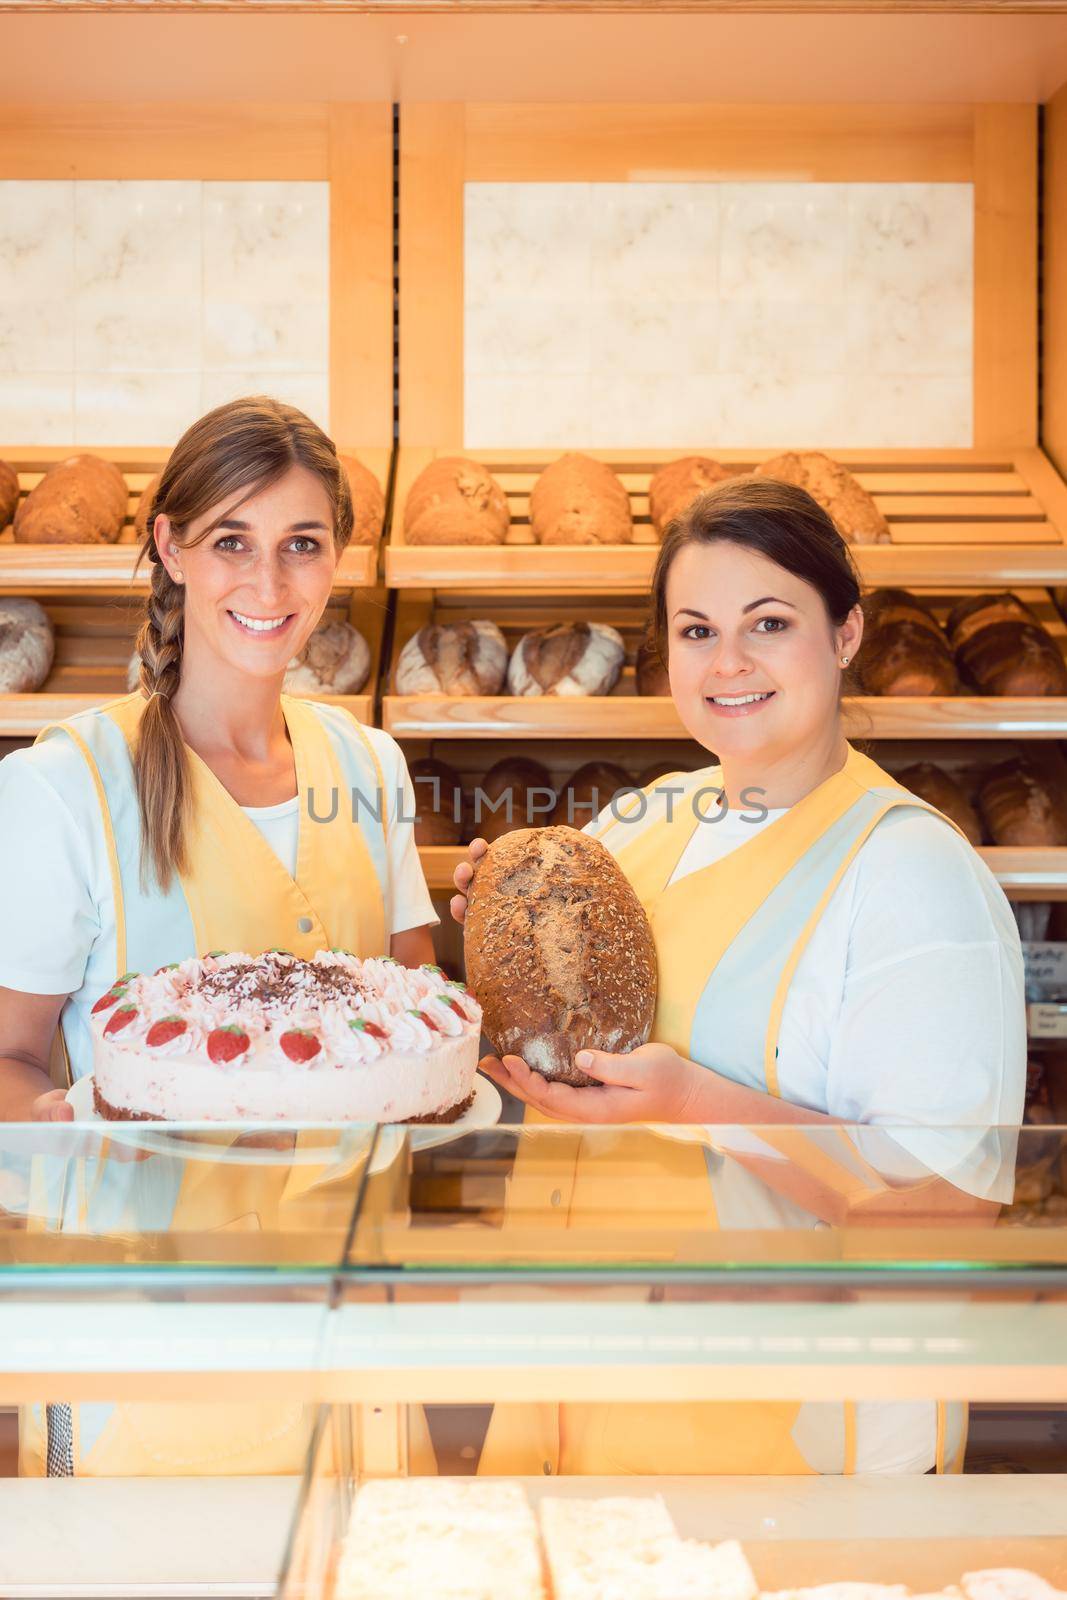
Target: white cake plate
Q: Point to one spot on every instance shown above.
(153, 1138)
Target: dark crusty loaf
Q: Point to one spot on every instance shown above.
(979, 611)
(523, 782)
(570, 658)
(456, 501)
(9, 493)
(1002, 648)
(674, 487)
(588, 791)
(335, 660)
(27, 645)
(559, 951)
(934, 785)
(578, 500)
(453, 658)
(82, 500)
(438, 802)
(1022, 808)
(854, 512)
(650, 674)
(904, 651)
(368, 501)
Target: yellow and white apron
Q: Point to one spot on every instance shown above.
(235, 895)
(728, 940)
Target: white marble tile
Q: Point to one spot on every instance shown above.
(770, 410)
(784, 242)
(647, 337)
(308, 391)
(788, 339)
(512, 410)
(135, 408)
(36, 276)
(266, 262)
(652, 241)
(680, 409)
(137, 269)
(517, 336)
(36, 408)
(527, 241)
(907, 412)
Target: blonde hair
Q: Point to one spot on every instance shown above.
(245, 445)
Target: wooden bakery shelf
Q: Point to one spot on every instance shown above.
(94, 640)
(56, 569)
(957, 518)
(1022, 874)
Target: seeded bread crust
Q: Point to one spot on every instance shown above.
(675, 486)
(854, 511)
(559, 951)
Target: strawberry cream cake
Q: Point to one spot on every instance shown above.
(274, 1038)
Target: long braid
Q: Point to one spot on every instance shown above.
(160, 762)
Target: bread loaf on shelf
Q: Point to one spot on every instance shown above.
(516, 792)
(558, 950)
(853, 510)
(27, 645)
(368, 501)
(674, 487)
(934, 785)
(588, 791)
(335, 660)
(650, 673)
(82, 500)
(904, 651)
(1001, 648)
(456, 501)
(570, 658)
(578, 500)
(439, 802)
(1021, 807)
(453, 658)
(9, 493)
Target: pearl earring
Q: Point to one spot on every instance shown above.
(845, 660)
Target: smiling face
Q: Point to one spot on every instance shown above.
(258, 584)
(753, 657)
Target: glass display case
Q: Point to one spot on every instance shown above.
(779, 1331)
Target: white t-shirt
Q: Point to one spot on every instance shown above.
(907, 1006)
(57, 931)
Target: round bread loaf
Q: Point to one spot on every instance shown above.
(934, 785)
(650, 674)
(559, 951)
(438, 802)
(83, 500)
(9, 494)
(674, 487)
(335, 660)
(453, 658)
(854, 512)
(516, 792)
(905, 658)
(144, 506)
(578, 500)
(571, 658)
(1022, 808)
(368, 501)
(980, 611)
(588, 791)
(1016, 658)
(456, 501)
(899, 605)
(27, 645)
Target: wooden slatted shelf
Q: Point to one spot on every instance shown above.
(94, 640)
(42, 569)
(956, 517)
(1022, 874)
(626, 715)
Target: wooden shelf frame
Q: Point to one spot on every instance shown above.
(958, 518)
(994, 146)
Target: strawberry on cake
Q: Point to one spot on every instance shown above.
(275, 1038)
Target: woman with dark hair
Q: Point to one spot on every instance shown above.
(830, 948)
(178, 820)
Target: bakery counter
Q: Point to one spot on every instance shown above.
(954, 517)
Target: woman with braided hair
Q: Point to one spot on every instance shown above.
(207, 810)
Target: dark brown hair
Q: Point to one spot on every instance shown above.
(235, 451)
(777, 520)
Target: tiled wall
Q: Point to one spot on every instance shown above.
(129, 308)
(706, 314)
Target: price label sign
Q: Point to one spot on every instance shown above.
(1046, 970)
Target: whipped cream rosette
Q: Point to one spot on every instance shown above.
(231, 1036)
